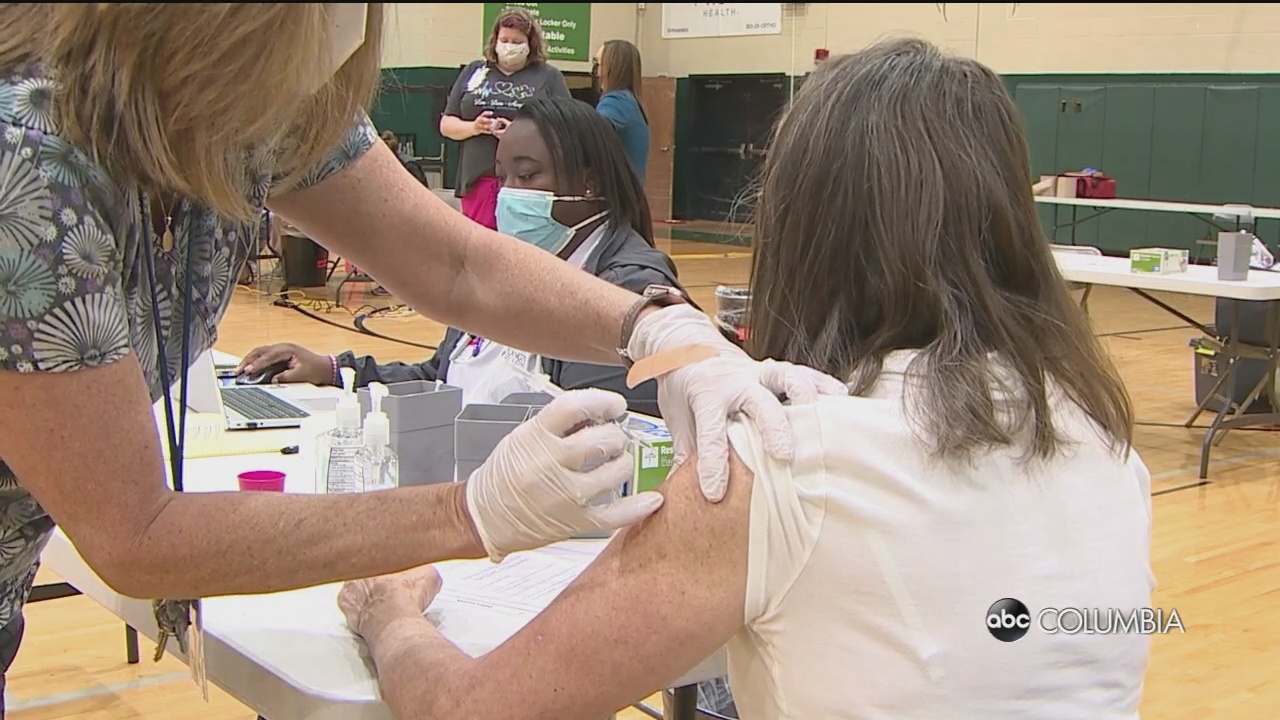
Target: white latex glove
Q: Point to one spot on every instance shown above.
(698, 400)
(538, 485)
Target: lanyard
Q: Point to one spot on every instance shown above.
(176, 431)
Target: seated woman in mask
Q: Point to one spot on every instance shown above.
(900, 565)
(568, 189)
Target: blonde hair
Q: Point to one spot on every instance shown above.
(197, 99)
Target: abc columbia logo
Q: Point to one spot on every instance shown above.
(1008, 619)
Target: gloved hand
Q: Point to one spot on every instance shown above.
(697, 400)
(538, 485)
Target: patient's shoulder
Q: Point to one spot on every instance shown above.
(686, 508)
(693, 537)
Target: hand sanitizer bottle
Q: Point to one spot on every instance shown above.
(379, 468)
(336, 469)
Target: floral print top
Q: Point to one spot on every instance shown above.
(74, 286)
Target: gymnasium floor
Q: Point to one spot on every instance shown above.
(1216, 551)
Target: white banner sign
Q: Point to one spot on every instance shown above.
(691, 20)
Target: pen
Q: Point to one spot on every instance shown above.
(291, 450)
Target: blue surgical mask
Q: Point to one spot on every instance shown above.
(526, 214)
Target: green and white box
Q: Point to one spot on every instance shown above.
(653, 463)
(1158, 261)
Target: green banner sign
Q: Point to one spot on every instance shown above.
(566, 27)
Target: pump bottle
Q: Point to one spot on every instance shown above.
(336, 468)
(379, 467)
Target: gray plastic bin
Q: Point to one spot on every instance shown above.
(531, 399)
(479, 429)
(421, 414)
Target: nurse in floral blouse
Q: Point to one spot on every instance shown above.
(139, 146)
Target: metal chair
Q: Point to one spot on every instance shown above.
(415, 169)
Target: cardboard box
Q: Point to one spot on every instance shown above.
(1089, 184)
(653, 464)
(1158, 261)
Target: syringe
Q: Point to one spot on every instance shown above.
(542, 383)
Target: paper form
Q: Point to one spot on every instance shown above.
(207, 436)
(521, 586)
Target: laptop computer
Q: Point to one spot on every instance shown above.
(245, 407)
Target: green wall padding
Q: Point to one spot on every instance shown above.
(1200, 138)
(683, 133)
(1266, 162)
(410, 102)
(1126, 148)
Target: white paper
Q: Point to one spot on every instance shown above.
(520, 587)
(195, 651)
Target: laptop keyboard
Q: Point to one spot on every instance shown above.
(254, 403)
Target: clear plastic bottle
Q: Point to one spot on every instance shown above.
(379, 467)
(336, 468)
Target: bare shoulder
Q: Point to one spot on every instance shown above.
(707, 534)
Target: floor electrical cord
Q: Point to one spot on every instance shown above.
(357, 325)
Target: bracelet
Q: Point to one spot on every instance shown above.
(333, 367)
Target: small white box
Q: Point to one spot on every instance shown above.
(1158, 261)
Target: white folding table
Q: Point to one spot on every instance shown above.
(1260, 286)
(289, 656)
(1204, 212)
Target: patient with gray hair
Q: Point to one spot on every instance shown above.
(978, 472)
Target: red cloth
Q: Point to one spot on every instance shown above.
(481, 201)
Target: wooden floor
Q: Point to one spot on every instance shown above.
(1216, 550)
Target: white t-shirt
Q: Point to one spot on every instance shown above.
(486, 371)
(872, 570)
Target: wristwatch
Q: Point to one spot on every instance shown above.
(656, 295)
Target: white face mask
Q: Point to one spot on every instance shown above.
(512, 53)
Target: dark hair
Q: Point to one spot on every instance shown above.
(620, 69)
(517, 19)
(895, 213)
(582, 144)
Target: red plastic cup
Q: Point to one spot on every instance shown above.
(261, 481)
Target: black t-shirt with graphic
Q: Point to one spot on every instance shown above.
(482, 86)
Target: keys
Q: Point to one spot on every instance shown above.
(162, 640)
(173, 618)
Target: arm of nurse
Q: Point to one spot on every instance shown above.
(85, 445)
(454, 270)
(632, 623)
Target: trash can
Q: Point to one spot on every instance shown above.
(306, 264)
(1207, 371)
(731, 312)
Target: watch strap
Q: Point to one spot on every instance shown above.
(655, 295)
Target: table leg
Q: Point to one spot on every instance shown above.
(681, 704)
(55, 591)
(131, 652)
(1208, 398)
(1225, 420)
